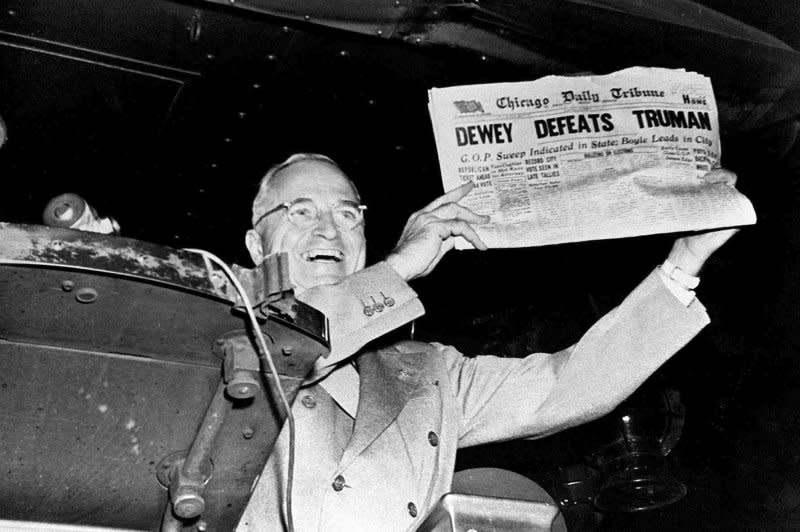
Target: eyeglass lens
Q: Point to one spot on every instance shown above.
(305, 212)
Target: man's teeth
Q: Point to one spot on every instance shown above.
(323, 255)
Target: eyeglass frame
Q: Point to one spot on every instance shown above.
(360, 207)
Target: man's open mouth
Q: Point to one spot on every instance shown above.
(323, 255)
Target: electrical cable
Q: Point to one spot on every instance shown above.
(265, 357)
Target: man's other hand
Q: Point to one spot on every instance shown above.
(431, 232)
(691, 252)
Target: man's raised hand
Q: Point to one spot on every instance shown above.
(431, 232)
(691, 252)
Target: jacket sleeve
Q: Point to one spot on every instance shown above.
(505, 398)
(362, 307)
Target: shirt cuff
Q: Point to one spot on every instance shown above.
(679, 290)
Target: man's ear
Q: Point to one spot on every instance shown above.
(254, 245)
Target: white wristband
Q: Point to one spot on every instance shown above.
(672, 271)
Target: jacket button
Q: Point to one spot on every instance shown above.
(338, 483)
(433, 439)
(412, 509)
(308, 401)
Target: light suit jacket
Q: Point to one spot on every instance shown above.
(417, 403)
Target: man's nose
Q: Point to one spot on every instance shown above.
(325, 226)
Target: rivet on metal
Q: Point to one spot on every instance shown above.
(248, 433)
(242, 114)
(287, 351)
(378, 33)
(483, 58)
(86, 295)
(306, 18)
(285, 29)
(343, 53)
(67, 286)
(202, 526)
(272, 57)
(256, 86)
(417, 40)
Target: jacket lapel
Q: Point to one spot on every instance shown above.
(389, 378)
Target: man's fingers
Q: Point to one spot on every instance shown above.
(720, 175)
(449, 232)
(452, 228)
(454, 195)
(455, 211)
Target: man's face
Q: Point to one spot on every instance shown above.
(322, 253)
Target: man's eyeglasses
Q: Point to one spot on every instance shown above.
(304, 212)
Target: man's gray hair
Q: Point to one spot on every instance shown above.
(260, 202)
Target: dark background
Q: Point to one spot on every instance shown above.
(164, 115)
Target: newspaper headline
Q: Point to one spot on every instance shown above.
(565, 159)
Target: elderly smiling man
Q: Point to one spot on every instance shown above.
(377, 432)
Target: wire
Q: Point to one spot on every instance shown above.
(265, 357)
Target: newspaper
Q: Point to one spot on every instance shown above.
(567, 159)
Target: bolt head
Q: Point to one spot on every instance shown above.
(188, 504)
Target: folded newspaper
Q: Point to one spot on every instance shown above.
(567, 159)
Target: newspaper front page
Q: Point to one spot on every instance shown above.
(567, 159)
